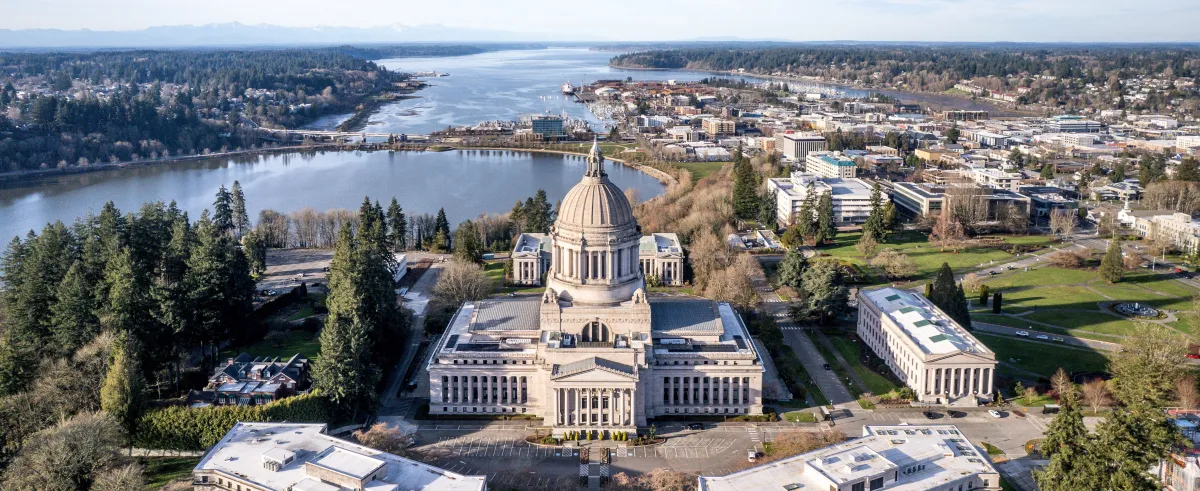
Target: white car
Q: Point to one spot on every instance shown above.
(994, 413)
(1043, 337)
(1022, 333)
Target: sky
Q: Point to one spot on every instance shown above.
(658, 20)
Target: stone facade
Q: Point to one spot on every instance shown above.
(595, 352)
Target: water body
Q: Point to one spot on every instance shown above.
(466, 183)
(502, 85)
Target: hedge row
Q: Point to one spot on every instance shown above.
(183, 428)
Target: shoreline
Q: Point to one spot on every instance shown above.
(838, 85)
(666, 179)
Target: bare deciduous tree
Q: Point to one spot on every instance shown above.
(1061, 382)
(1068, 259)
(1180, 196)
(1095, 394)
(733, 284)
(1185, 390)
(382, 436)
(948, 232)
(1063, 222)
(67, 456)
(896, 265)
(461, 281)
(867, 245)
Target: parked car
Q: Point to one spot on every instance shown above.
(993, 272)
(1043, 337)
(751, 456)
(994, 413)
(1022, 333)
(930, 415)
(696, 426)
(826, 366)
(1058, 339)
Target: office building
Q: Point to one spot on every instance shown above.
(302, 457)
(830, 164)
(796, 146)
(716, 127)
(549, 127)
(1073, 124)
(924, 347)
(996, 178)
(921, 199)
(893, 458)
(851, 197)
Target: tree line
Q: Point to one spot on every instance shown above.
(91, 312)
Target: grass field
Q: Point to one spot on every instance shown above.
(700, 170)
(1096, 322)
(1042, 358)
(877, 383)
(1001, 320)
(928, 258)
(162, 470)
(800, 417)
(283, 344)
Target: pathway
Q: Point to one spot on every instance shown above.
(821, 338)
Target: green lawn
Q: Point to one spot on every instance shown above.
(1001, 320)
(283, 344)
(306, 311)
(1042, 358)
(1187, 324)
(495, 272)
(841, 372)
(700, 170)
(163, 470)
(928, 258)
(800, 417)
(876, 383)
(1095, 322)
(1022, 299)
(1041, 277)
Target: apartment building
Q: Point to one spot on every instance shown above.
(830, 164)
(996, 178)
(715, 127)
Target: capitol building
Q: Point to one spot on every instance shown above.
(594, 351)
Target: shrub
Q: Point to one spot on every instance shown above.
(183, 428)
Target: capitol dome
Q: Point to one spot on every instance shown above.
(595, 203)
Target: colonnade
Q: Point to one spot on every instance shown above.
(706, 391)
(594, 265)
(595, 406)
(960, 381)
(484, 389)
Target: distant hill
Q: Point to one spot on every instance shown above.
(236, 34)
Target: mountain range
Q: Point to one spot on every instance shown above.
(237, 34)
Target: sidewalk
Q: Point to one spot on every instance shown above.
(862, 384)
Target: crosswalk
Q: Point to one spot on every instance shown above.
(753, 431)
(791, 328)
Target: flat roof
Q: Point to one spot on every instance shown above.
(930, 328)
(240, 453)
(883, 451)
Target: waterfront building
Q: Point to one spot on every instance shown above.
(924, 347)
(830, 164)
(594, 351)
(302, 457)
(796, 146)
(894, 457)
(851, 197)
(549, 127)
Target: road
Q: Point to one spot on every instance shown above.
(1066, 339)
(415, 299)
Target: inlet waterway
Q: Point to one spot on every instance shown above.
(466, 183)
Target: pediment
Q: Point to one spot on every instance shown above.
(959, 358)
(596, 375)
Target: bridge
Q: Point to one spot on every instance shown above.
(345, 134)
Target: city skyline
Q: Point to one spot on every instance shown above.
(623, 20)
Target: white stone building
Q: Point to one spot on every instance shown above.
(796, 146)
(301, 457)
(594, 352)
(924, 347)
(851, 197)
(659, 255)
(530, 259)
(896, 458)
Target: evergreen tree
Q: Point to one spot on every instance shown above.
(542, 209)
(255, 249)
(826, 228)
(121, 394)
(791, 268)
(397, 226)
(953, 134)
(890, 220)
(1187, 170)
(241, 220)
(766, 211)
(807, 214)
(792, 237)
(949, 297)
(467, 244)
(1047, 171)
(219, 286)
(439, 242)
(441, 229)
(1069, 447)
(1112, 267)
(745, 190)
(1016, 158)
(223, 211)
(1118, 173)
(345, 372)
(1131, 440)
(876, 221)
(73, 317)
(825, 295)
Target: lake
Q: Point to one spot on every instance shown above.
(466, 183)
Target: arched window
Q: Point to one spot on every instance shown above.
(596, 331)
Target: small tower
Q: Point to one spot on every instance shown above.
(595, 161)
